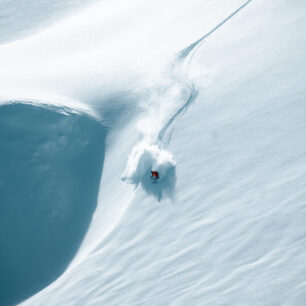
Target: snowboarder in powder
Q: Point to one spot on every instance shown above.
(154, 176)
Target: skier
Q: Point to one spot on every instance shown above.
(154, 176)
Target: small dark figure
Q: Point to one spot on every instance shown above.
(154, 176)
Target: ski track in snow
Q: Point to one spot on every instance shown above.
(181, 70)
(238, 216)
(138, 166)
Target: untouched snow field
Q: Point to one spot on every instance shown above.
(211, 93)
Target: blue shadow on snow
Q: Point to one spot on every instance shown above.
(50, 169)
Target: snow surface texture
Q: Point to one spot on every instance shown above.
(212, 93)
(20, 18)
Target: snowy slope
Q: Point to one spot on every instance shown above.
(19, 18)
(213, 97)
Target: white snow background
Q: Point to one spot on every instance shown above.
(211, 93)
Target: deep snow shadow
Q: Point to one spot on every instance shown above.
(50, 169)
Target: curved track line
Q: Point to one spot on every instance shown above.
(183, 54)
(187, 54)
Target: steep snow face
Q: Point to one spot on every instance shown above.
(51, 163)
(106, 49)
(213, 96)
